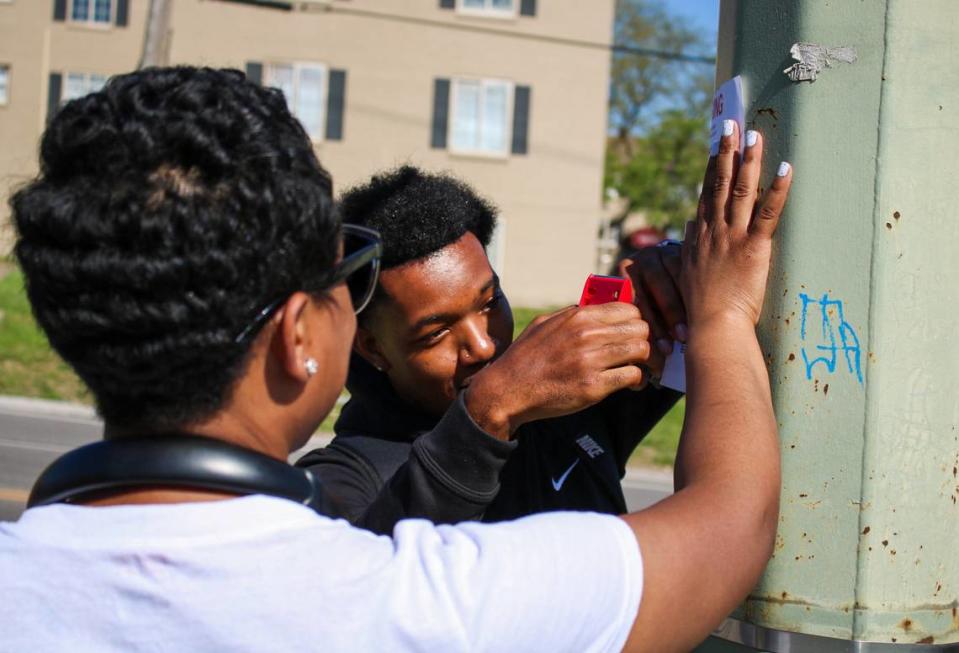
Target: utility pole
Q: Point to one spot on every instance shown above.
(861, 321)
(155, 40)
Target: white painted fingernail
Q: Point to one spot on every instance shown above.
(728, 127)
(784, 169)
(751, 137)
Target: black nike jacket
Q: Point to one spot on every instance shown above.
(390, 461)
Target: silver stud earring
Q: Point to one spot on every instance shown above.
(311, 366)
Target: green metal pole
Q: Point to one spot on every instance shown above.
(861, 320)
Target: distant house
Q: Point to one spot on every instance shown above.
(508, 94)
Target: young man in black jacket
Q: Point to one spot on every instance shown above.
(450, 420)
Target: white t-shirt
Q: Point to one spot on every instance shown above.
(265, 574)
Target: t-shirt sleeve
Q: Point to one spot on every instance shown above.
(551, 582)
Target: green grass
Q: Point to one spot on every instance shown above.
(327, 425)
(658, 449)
(523, 316)
(28, 367)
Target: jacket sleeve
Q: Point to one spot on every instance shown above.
(450, 474)
(631, 415)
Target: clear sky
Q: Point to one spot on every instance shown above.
(703, 15)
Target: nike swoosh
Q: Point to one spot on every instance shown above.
(558, 483)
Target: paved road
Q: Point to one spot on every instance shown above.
(644, 487)
(33, 433)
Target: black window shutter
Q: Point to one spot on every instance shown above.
(59, 10)
(123, 11)
(441, 110)
(447, 4)
(54, 92)
(521, 120)
(335, 101)
(527, 8)
(254, 72)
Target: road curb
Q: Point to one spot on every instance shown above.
(649, 478)
(637, 477)
(46, 408)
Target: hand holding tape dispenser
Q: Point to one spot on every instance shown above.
(600, 289)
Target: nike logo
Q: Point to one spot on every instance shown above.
(590, 446)
(558, 482)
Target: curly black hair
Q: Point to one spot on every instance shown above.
(417, 213)
(170, 207)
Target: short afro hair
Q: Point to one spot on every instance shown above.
(170, 207)
(416, 213)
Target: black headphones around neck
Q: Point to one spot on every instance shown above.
(177, 461)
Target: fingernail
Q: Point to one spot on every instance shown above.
(664, 345)
(751, 137)
(682, 332)
(728, 126)
(784, 169)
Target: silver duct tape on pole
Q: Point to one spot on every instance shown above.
(782, 641)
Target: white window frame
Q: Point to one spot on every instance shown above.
(297, 67)
(5, 96)
(90, 21)
(488, 10)
(88, 88)
(484, 82)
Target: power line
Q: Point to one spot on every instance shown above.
(464, 27)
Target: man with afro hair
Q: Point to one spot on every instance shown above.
(450, 420)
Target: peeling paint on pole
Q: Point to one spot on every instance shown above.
(812, 58)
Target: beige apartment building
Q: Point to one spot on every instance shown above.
(509, 95)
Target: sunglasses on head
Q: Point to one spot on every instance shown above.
(359, 268)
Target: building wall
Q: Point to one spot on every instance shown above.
(549, 198)
(21, 119)
(33, 45)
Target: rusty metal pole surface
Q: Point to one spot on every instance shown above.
(861, 315)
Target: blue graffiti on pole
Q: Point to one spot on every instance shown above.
(835, 335)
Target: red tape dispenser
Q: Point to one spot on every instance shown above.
(600, 289)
